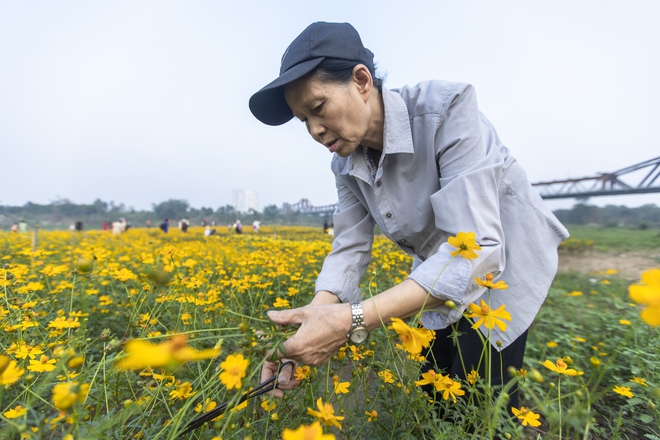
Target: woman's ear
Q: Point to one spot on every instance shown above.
(363, 80)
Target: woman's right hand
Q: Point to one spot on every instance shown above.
(285, 380)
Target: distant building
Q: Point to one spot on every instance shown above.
(243, 201)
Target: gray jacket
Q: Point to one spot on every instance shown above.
(444, 170)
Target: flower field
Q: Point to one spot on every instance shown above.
(133, 336)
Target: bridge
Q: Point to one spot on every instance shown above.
(641, 178)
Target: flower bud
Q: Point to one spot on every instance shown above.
(451, 304)
(536, 376)
(594, 361)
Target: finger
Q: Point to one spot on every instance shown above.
(285, 317)
(286, 372)
(268, 369)
(289, 386)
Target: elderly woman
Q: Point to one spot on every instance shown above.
(423, 164)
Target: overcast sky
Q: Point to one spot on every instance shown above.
(143, 101)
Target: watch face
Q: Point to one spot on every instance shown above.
(359, 335)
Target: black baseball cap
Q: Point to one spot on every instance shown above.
(319, 41)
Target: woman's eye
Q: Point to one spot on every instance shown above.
(318, 108)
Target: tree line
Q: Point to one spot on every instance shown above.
(61, 213)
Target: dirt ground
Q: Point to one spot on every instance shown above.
(629, 264)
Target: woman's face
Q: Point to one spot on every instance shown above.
(337, 115)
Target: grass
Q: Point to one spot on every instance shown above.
(618, 239)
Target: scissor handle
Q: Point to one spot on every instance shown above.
(260, 389)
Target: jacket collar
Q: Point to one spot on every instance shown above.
(397, 136)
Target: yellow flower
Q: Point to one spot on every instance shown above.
(594, 361)
(473, 376)
(233, 371)
(280, 303)
(448, 387)
(62, 323)
(648, 293)
(208, 405)
(528, 417)
(169, 354)
(465, 244)
(302, 373)
(551, 344)
(624, 391)
(488, 317)
(488, 282)
(16, 412)
(23, 351)
(428, 378)
(574, 293)
(43, 364)
(442, 383)
(311, 432)
(624, 322)
(340, 387)
(413, 339)
(9, 370)
(639, 380)
(386, 376)
(66, 394)
(124, 275)
(268, 405)
(183, 391)
(325, 414)
(561, 368)
(372, 415)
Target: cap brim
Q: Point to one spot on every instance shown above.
(268, 104)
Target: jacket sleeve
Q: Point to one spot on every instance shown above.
(344, 267)
(470, 165)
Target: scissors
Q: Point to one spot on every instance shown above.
(264, 387)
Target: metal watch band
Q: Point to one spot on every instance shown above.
(358, 316)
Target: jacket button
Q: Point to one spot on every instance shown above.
(388, 215)
(379, 183)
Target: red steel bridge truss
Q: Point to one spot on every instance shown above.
(641, 178)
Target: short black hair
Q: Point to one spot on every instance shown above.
(340, 70)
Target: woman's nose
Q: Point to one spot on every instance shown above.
(316, 130)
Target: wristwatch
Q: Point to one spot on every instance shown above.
(358, 332)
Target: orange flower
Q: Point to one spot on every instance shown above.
(487, 281)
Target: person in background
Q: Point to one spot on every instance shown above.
(255, 225)
(148, 223)
(14, 227)
(165, 225)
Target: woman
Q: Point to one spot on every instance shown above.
(423, 164)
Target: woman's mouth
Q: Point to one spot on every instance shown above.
(332, 146)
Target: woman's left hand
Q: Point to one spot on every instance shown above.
(323, 330)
